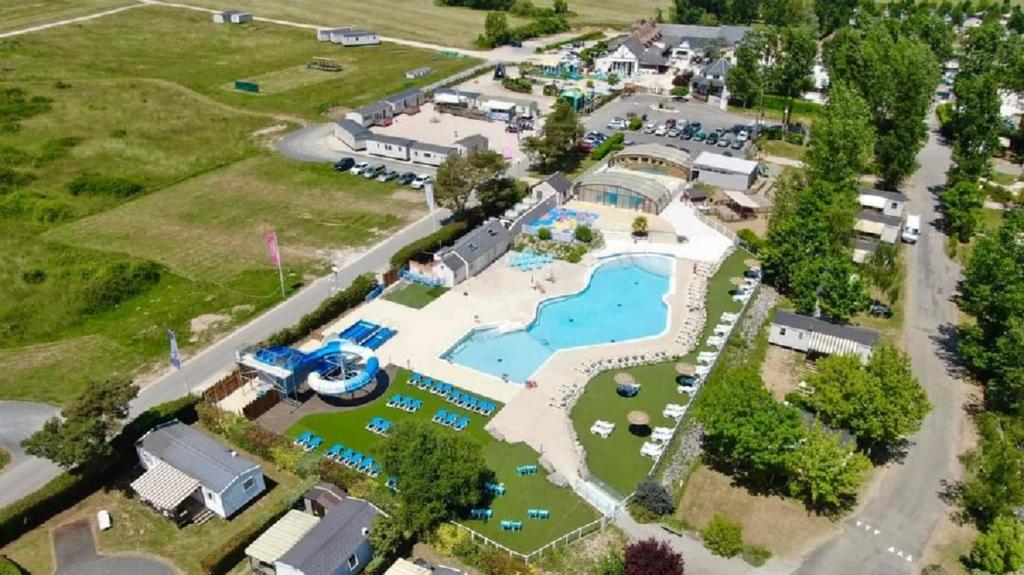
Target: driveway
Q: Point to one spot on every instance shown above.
(74, 548)
(24, 474)
(893, 527)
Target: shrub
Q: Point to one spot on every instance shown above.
(118, 283)
(331, 308)
(517, 85)
(755, 243)
(583, 234)
(15, 106)
(8, 567)
(612, 144)
(650, 557)
(443, 237)
(654, 497)
(722, 536)
(755, 555)
(680, 91)
(338, 475)
(544, 233)
(33, 276)
(92, 185)
(551, 90)
(495, 562)
(635, 123)
(611, 563)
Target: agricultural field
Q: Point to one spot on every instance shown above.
(136, 189)
(27, 13)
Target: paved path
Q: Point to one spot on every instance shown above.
(317, 143)
(892, 529)
(75, 550)
(18, 420)
(219, 358)
(65, 22)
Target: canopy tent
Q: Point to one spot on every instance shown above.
(741, 199)
(869, 227)
(280, 537)
(164, 486)
(831, 345)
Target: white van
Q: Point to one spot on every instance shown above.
(912, 229)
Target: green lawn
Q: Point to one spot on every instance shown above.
(20, 14)
(616, 461)
(568, 512)
(783, 149)
(416, 296)
(1003, 179)
(207, 58)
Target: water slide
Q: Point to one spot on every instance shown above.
(341, 367)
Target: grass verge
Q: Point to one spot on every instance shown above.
(416, 296)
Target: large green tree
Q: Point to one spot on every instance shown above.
(842, 138)
(881, 403)
(746, 81)
(794, 51)
(961, 206)
(826, 473)
(442, 474)
(461, 175)
(1001, 548)
(81, 435)
(992, 486)
(834, 14)
(790, 13)
(557, 144)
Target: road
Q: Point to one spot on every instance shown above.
(18, 420)
(219, 358)
(905, 507)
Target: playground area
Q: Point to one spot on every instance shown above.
(521, 485)
(562, 222)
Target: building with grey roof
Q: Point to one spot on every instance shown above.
(377, 113)
(406, 100)
(353, 37)
(187, 470)
(556, 184)
(652, 46)
(352, 133)
(886, 202)
(873, 224)
(472, 253)
(430, 154)
(392, 147)
(339, 544)
(817, 337)
(470, 143)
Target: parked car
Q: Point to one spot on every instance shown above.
(712, 138)
(617, 123)
(700, 136)
(420, 181)
(661, 130)
(670, 123)
(515, 43)
(387, 176)
(358, 168)
(406, 178)
(696, 126)
(911, 229)
(649, 127)
(687, 133)
(724, 140)
(511, 128)
(879, 309)
(673, 133)
(737, 143)
(344, 164)
(374, 171)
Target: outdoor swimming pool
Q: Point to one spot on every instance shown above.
(623, 301)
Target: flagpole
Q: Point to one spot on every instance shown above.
(184, 377)
(280, 275)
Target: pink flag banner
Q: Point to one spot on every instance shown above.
(275, 253)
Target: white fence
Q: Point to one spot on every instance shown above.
(574, 535)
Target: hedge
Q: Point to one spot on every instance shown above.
(612, 144)
(445, 236)
(231, 552)
(330, 309)
(581, 38)
(70, 487)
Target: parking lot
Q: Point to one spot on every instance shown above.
(710, 118)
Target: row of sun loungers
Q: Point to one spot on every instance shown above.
(674, 411)
(652, 450)
(526, 470)
(405, 403)
(354, 460)
(308, 442)
(379, 425)
(602, 428)
(459, 398)
(596, 367)
(481, 513)
(507, 525)
(452, 420)
(495, 488)
(662, 434)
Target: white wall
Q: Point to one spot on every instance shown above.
(387, 150)
(428, 157)
(786, 336)
(235, 496)
(360, 40)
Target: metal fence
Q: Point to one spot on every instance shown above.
(574, 535)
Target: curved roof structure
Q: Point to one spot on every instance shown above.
(647, 187)
(657, 151)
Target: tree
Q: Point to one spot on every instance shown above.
(746, 81)
(826, 474)
(1001, 548)
(794, 54)
(842, 293)
(387, 536)
(961, 206)
(640, 226)
(1016, 21)
(453, 183)
(612, 563)
(789, 13)
(842, 138)
(560, 7)
(976, 122)
(81, 435)
(557, 143)
(652, 557)
(443, 474)
(723, 536)
(654, 498)
(496, 29)
(884, 271)
(613, 79)
(833, 14)
(992, 485)
(880, 403)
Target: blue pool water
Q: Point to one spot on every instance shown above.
(623, 301)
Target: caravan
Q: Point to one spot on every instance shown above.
(912, 229)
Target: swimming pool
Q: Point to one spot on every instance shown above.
(623, 301)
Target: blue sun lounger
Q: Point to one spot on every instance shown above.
(374, 424)
(333, 451)
(414, 378)
(392, 483)
(461, 424)
(384, 427)
(507, 525)
(375, 470)
(404, 404)
(395, 400)
(446, 389)
(304, 438)
(313, 444)
(451, 419)
(440, 416)
(346, 456)
(481, 513)
(367, 464)
(454, 396)
(356, 460)
(486, 408)
(415, 405)
(495, 488)
(538, 513)
(425, 384)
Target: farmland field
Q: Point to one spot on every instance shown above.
(135, 190)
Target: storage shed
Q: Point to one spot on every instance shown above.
(724, 171)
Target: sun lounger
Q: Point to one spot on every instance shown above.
(526, 470)
(652, 450)
(481, 513)
(405, 404)
(440, 416)
(507, 525)
(415, 405)
(452, 419)
(446, 389)
(392, 483)
(366, 464)
(313, 444)
(384, 427)
(395, 400)
(538, 513)
(304, 438)
(461, 424)
(495, 488)
(346, 456)
(373, 424)
(375, 470)
(425, 383)
(414, 378)
(455, 396)
(471, 404)
(333, 451)
(356, 460)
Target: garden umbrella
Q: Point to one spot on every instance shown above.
(623, 378)
(638, 418)
(737, 281)
(686, 369)
(751, 263)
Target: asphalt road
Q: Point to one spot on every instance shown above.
(313, 144)
(18, 420)
(710, 118)
(219, 358)
(891, 531)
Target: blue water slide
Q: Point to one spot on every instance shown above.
(379, 338)
(329, 384)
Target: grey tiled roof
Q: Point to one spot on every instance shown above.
(559, 182)
(432, 148)
(479, 241)
(473, 141)
(352, 127)
(700, 35)
(390, 140)
(336, 538)
(202, 457)
(402, 95)
(350, 32)
(861, 335)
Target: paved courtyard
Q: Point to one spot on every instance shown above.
(74, 547)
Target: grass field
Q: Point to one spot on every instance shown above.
(782, 149)
(568, 512)
(616, 460)
(137, 529)
(204, 57)
(416, 296)
(16, 15)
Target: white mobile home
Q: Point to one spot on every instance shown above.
(354, 37)
(232, 17)
(324, 34)
(377, 113)
(351, 133)
(472, 253)
(339, 544)
(724, 172)
(187, 470)
(389, 146)
(815, 336)
(429, 154)
(470, 144)
(882, 201)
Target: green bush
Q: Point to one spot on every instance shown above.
(70, 487)
(117, 283)
(8, 567)
(231, 551)
(521, 85)
(330, 309)
(443, 237)
(654, 498)
(754, 242)
(15, 106)
(544, 234)
(583, 234)
(613, 144)
(635, 123)
(93, 185)
(755, 555)
(722, 536)
(338, 475)
(681, 91)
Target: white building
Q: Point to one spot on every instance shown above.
(324, 34)
(882, 201)
(724, 172)
(351, 133)
(429, 154)
(389, 146)
(460, 98)
(187, 470)
(232, 17)
(354, 37)
(818, 337)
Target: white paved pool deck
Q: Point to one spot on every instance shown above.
(505, 296)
